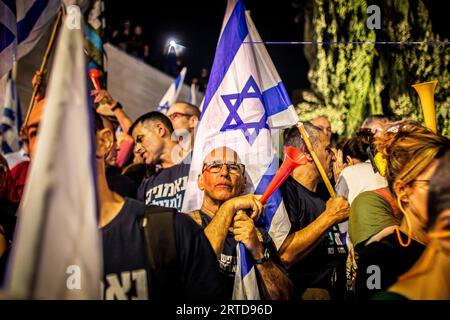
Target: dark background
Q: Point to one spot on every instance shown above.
(196, 25)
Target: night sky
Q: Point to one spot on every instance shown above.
(196, 25)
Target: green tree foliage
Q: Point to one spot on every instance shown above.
(352, 81)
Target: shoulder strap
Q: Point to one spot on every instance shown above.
(159, 233)
(389, 198)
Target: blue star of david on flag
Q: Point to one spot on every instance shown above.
(234, 101)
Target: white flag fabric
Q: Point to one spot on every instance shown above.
(22, 24)
(245, 103)
(11, 119)
(56, 252)
(172, 93)
(193, 94)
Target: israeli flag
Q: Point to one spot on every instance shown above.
(172, 93)
(11, 120)
(56, 251)
(22, 24)
(245, 103)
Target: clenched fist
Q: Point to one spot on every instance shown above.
(338, 208)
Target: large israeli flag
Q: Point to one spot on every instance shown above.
(56, 252)
(11, 119)
(22, 24)
(172, 93)
(245, 103)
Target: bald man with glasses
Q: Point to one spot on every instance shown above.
(223, 182)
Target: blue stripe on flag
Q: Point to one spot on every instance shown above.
(246, 261)
(276, 99)
(6, 148)
(7, 112)
(27, 24)
(6, 37)
(93, 37)
(233, 34)
(177, 81)
(4, 127)
(11, 4)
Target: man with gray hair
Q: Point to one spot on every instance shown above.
(323, 124)
(313, 252)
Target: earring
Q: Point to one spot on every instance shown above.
(408, 222)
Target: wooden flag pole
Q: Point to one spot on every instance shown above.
(313, 154)
(44, 63)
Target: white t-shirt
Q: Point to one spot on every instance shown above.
(358, 178)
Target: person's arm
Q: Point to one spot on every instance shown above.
(104, 97)
(217, 229)
(274, 282)
(298, 244)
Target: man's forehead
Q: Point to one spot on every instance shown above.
(222, 153)
(322, 121)
(177, 107)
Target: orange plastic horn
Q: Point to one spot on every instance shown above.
(293, 157)
(94, 74)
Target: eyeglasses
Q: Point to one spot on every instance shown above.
(175, 115)
(216, 166)
(421, 181)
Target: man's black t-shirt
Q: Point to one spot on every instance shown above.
(387, 260)
(324, 266)
(165, 188)
(126, 271)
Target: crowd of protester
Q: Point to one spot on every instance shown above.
(384, 236)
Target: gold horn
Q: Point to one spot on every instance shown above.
(425, 91)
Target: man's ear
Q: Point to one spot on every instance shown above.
(105, 141)
(193, 122)
(200, 182)
(160, 129)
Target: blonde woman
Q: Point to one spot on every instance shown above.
(412, 152)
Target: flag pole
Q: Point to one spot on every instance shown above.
(37, 85)
(313, 154)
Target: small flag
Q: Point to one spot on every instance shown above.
(172, 93)
(11, 120)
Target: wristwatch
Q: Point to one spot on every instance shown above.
(117, 106)
(265, 258)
